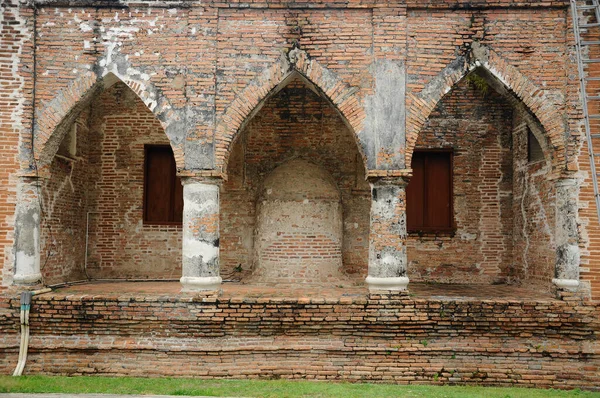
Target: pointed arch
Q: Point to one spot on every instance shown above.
(55, 117)
(504, 78)
(296, 64)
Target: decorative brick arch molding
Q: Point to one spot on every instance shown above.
(250, 101)
(53, 120)
(506, 79)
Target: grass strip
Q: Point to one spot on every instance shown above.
(262, 388)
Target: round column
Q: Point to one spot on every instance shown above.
(566, 274)
(200, 251)
(27, 232)
(387, 236)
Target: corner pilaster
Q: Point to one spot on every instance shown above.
(27, 232)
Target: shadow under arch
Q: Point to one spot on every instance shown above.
(296, 65)
(509, 82)
(54, 119)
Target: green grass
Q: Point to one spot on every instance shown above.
(260, 388)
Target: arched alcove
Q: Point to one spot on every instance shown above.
(295, 129)
(501, 198)
(94, 202)
(298, 236)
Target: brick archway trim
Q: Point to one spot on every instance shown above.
(535, 99)
(59, 113)
(249, 102)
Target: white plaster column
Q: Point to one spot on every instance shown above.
(200, 251)
(27, 232)
(387, 235)
(566, 274)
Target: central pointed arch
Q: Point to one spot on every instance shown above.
(341, 96)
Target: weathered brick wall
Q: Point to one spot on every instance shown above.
(121, 245)
(433, 38)
(75, 41)
(477, 126)
(295, 123)
(590, 227)
(395, 338)
(531, 39)
(589, 223)
(298, 234)
(533, 211)
(503, 204)
(16, 84)
(64, 213)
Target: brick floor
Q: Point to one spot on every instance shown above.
(230, 290)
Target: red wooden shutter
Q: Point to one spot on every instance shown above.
(158, 184)
(429, 192)
(438, 177)
(163, 193)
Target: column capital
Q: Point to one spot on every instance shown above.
(389, 177)
(201, 179)
(400, 181)
(39, 171)
(203, 176)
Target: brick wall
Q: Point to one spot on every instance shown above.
(477, 127)
(16, 50)
(64, 212)
(199, 70)
(298, 235)
(590, 227)
(395, 338)
(121, 245)
(589, 223)
(533, 210)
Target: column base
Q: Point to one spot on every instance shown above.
(567, 284)
(394, 284)
(27, 279)
(200, 283)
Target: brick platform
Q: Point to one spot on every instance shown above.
(431, 335)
